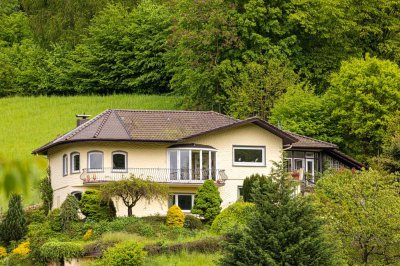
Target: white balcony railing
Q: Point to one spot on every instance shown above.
(161, 175)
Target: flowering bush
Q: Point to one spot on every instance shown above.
(22, 249)
(3, 252)
(88, 235)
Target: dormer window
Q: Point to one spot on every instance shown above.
(119, 161)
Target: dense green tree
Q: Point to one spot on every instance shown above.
(207, 202)
(284, 230)
(13, 227)
(95, 208)
(46, 192)
(249, 183)
(134, 189)
(362, 210)
(69, 211)
(362, 96)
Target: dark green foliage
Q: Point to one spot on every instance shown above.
(54, 218)
(69, 211)
(284, 230)
(13, 227)
(35, 215)
(207, 202)
(192, 222)
(95, 208)
(249, 183)
(46, 193)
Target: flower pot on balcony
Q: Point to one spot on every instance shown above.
(296, 175)
(87, 179)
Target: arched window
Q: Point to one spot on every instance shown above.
(75, 162)
(119, 161)
(65, 164)
(95, 161)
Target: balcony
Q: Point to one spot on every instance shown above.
(160, 175)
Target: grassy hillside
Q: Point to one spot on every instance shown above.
(29, 122)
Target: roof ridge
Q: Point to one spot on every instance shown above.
(107, 115)
(164, 111)
(313, 139)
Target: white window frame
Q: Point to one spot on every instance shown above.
(244, 147)
(126, 161)
(73, 154)
(178, 160)
(65, 164)
(183, 194)
(88, 162)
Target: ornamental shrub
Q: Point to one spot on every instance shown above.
(207, 202)
(192, 222)
(69, 211)
(175, 216)
(13, 227)
(22, 249)
(55, 220)
(127, 253)
(88, 235)
(58, 251)
(94, 208)
(3, 252)
(248, 185)
(236, 217)
(46, 192)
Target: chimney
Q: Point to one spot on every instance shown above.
(82, 119)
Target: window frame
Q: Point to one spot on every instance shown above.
(249, 164)
(125, 170)
(72, 162)
(176, 197)
(65, 164)
(95, 170)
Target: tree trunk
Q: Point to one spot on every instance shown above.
(129, 211)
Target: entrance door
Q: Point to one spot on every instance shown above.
(310, 168)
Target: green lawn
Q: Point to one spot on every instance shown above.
(184, 259)
(29, 122)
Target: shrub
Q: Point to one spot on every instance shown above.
(192, 222)
(140, 228)
(69, 211)
(46, 193)
(36, 215)
(13, 227)
(207, 202)
(55, 220)
(58, 251)
(94, 208)
(126, 253)
(3, 252)
(235, 216)
(175, 216)
(248, 185)
(88, 235)
(22, 249)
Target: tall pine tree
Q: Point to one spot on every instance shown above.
(283, 231)
(13, 226)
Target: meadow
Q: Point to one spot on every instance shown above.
(28, 122)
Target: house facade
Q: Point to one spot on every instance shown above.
(179, 148)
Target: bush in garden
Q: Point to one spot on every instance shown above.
(46, 192)
(3, 252)
(207, 202)
(35, 215)
(95, 208)
(88, 235)
(69, 211)
(127, 253)
(55, 220)
(13, 227)
(22, 249)
(192, 222)
(175, 216)
(235, 216)
(56, 251)
(248, 185)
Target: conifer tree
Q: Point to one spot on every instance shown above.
(207, 202)
(13, 226)
(284, 230)
(69, 211)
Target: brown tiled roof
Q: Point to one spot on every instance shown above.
(310, 143)
(155, 126)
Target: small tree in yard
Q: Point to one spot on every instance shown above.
(283, 230)
(133, 189)
(94, 207)
(207, 202)
(13, 228)
(46, 192)
(249, 183)
(69, 211)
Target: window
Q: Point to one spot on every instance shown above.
(188, 164)
(75, 163)
(65, 164)
(119, 161)
(95, 161)
(184, 201)
(248, 156)
(240, 192)
(77, 195)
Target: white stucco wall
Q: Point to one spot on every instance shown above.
(148, 155)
